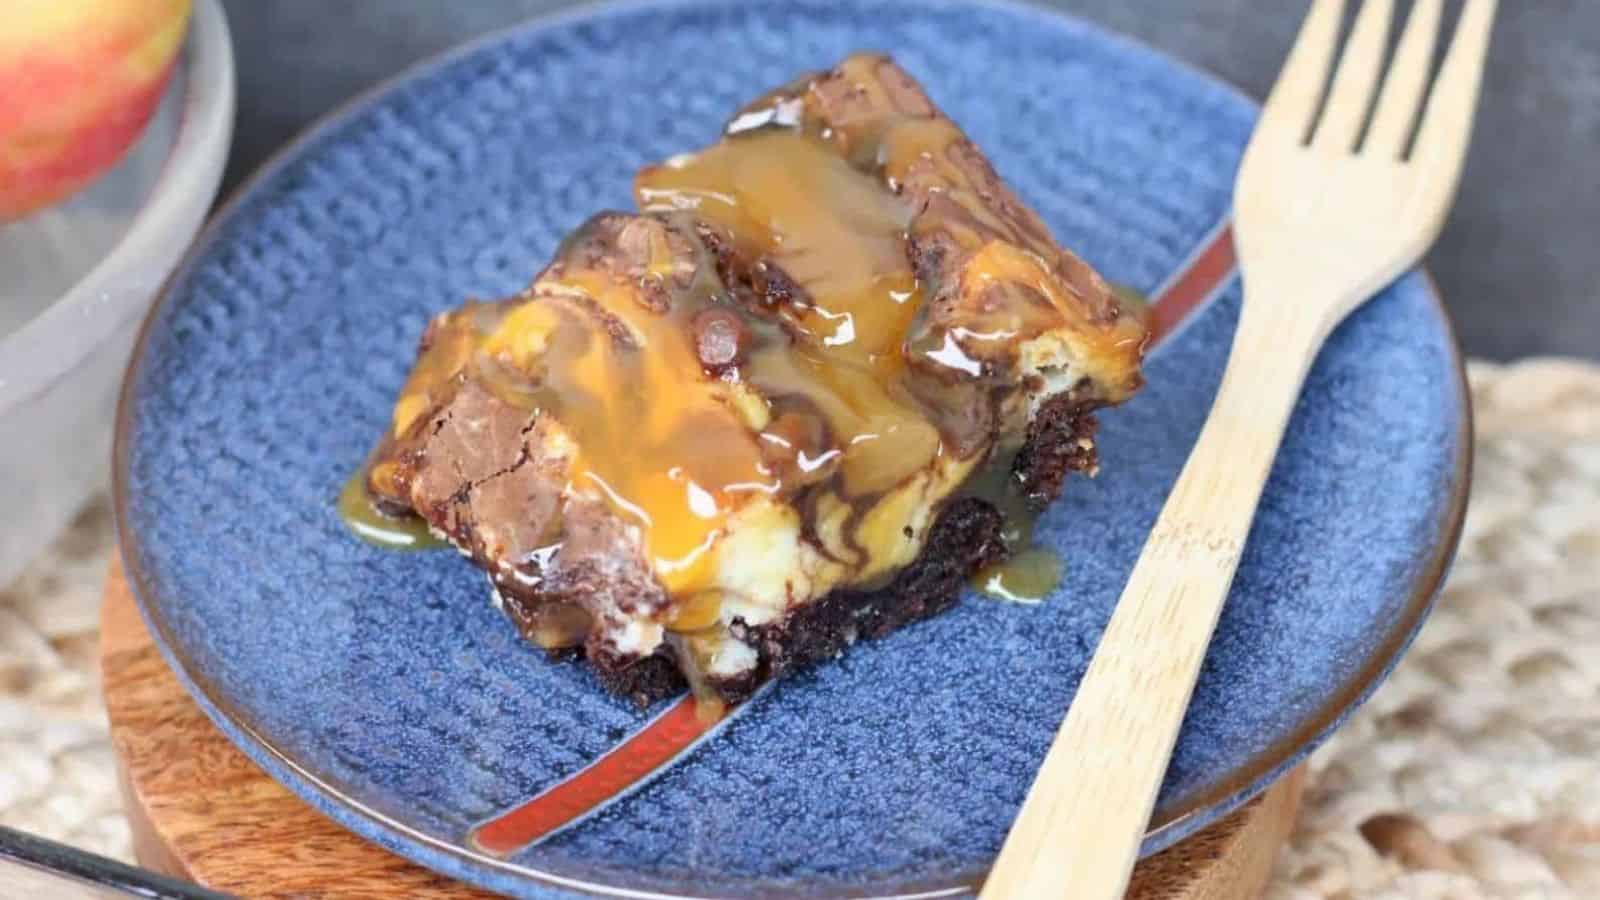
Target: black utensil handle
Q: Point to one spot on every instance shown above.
(32, 868)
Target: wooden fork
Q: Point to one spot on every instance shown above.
(1320, 223)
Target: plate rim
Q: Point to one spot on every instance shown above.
(1210, 803)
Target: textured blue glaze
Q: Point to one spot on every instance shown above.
(384, 688)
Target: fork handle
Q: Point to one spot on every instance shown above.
(1080, 828)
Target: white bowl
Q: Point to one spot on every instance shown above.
(77, 279)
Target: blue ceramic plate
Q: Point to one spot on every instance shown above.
(383, 688)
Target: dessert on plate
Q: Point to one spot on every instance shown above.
(790, 402)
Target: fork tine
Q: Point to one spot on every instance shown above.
(1402, 87)
(1351, 94)
(1447, 121)
(1294, 98)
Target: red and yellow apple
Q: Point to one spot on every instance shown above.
(79, 80)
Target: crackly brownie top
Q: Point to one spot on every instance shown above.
(815, 331)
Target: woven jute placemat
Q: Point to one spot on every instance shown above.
(1473, 772)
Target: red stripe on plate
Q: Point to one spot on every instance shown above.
(672, 734)
(646, 751)
(1196, 282)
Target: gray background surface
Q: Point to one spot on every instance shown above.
(1519, 263)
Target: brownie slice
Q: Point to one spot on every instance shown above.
(732, 434)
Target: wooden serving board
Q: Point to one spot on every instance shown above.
(201, 810)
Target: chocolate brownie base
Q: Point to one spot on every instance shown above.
(1060, 440)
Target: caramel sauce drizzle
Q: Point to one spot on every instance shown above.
(365, 521)
(653, 436)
